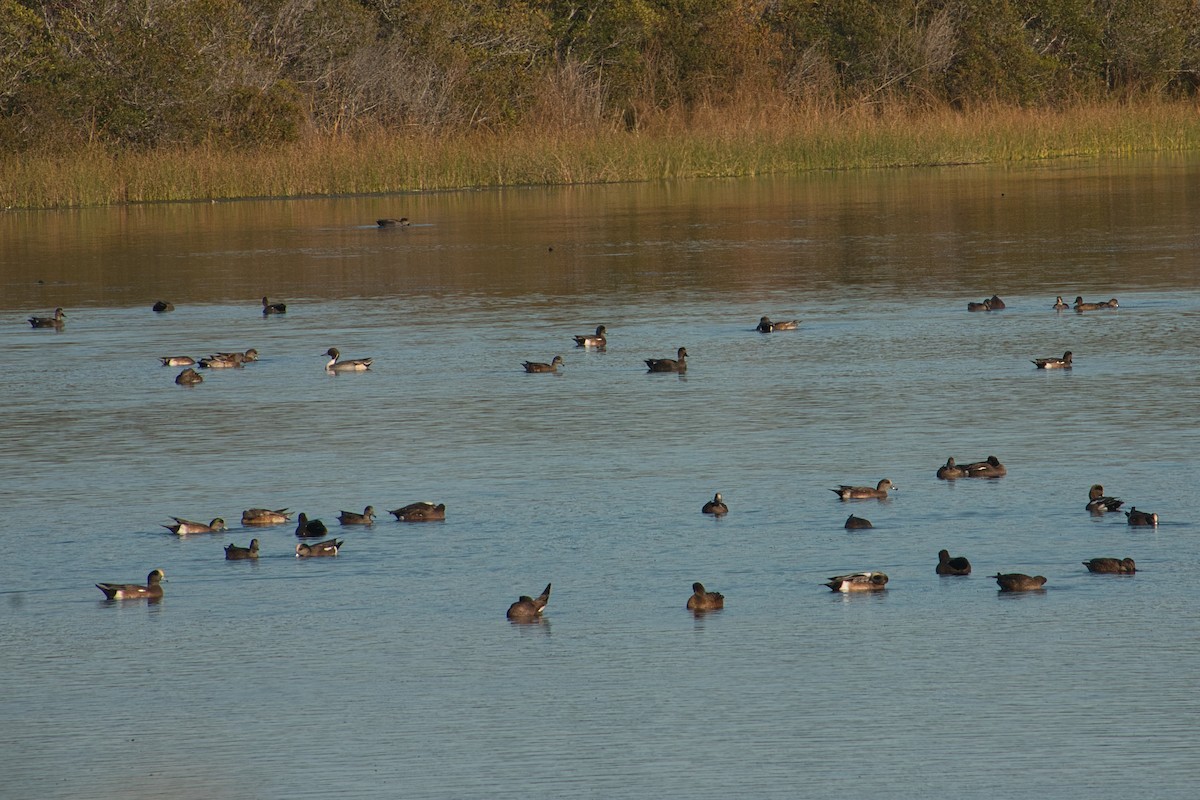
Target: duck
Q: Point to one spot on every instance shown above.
(1110, 303)
(152, 590)
(958, 565)
(189, 377)
(858, 582)
(991, 468)
(244, 356)
(392, 222)
(1111, 566)
(765, 325)
(854, 523)
(986, 305)
(995, 303)
(367, 517)
(55, 321)
(182, 527)
(273, 308)
(1019, 582)
(538, 366)
(951, 471)
(1054, 363)
(177, 361)
(162, 307)
(420, 512)
(349, 365)
(1060, 304)
(222, 361)
(529, 609)
(704, 601)
(329, 547)
(864, 492)
(1082, 306)
(266, 516)
(235, 553)
(600, 339)
(677, 364)
(1136, 517)
(310, 528)
(715, 506)
(1099, 502)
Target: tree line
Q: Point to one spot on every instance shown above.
(150, 73)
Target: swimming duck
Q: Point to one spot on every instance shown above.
(367, 517)
(854, 523)
(310, 528)
(715, 506)
(951, 471)
(134, 591)
(858, 582)
(704, 601)
(529, 609)
(222, 361)
(1060, 304)
(189, 377)
(1136, 517)
(349, 365)
(55, 321)
(864, 492)
(538, 366)
(991, 468)
(1054, 363)
(986, 305)
(273, 308)
(266, 516)
(1082, 306)
(420, 512)
(995, 303)
(244, 356)
(1112, 566)
(392, 222)
(765, 325)
(952, 566)
(182, 527)
(235, 553)
(162, 307)
(329, 547)
(599, 340)
(1018, 582)
(1099, 502)
(1111, 303)
(177, 361)
(677, 364)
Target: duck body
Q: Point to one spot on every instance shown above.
(1019, 582)
(716, 506)
(367, 517)
(152, 590)
(1054, 363)
(177, 361)
(1111, 566)
(854, 523)
(235, 553)
(538, 366)
(189, 377)
(182, 527)
(702, 600)
(264, 516)
(56, 321)
(986, 305)
(349, 365)
(1100, 503)
(329, 547)
(957, 565)
(765, 325)
(677, 364)
(273, 308)
(989, 468)
(951, 471)
(995, 303)
(858, 582)
(529, 609)
(1082, 306)
(222, 361)
(162, 307)
(392, 222)
(1136, 517)
(310, 528)
(420, 512)
(243, 357)
(864, 492)
(600, 339)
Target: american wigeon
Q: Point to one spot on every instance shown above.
(1082, 306)
(310, 528)
(235, 553)
(162, 307)
(367, 517)
(349, 365)
(990, 468)
(1054, 363)
(55, 321)
(677, 364)
(420, 512)
(1099, 502)
(986, 305)
(529, 609)
(704, 601)
(1019, 582)
(995, 303)
(600, 339)
(177, 361)
(951, 471)
(1112, 566)
(392, 222)
(1060, 304)
(243, 356)
(135, 591)
(222, 361)
(182, 527)
(539, 366)
(957, 565)
(1136, 517)
(329, 547)
(854, 523)
(858, 582)
(765, 325)
(864, 492)
(273, 308)
(715, 506)
(189, 377)
(266, 516)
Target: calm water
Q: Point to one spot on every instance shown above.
(391, 671)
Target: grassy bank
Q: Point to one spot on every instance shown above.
(712, 144)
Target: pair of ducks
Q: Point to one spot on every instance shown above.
(1079, 305)
(216, 360)
(330, 547)
(1100, 503)
(989, 468)
(993, 303)
(529, 609)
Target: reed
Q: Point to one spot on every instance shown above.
(668, 145)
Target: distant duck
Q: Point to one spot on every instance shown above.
(222, 361)
(1060, 304)
(162, 307)
(1111, 566)
(1136, 517)
(310, 528)
(55, 321)
(264, 516)
(1082, 306)
(235, 553)
(991, 468)
(182, 527)
(1099, 502)
(858, 582)
(244, 356)
(600, 339)
(1018, 582)
(986, 305)
(420, 512)
(715, 506)
(152, 590)
(1112, 303)
(177, 361)
(958, 565)
(273, 308)
(538, 366)
(189, 377)
(1054, 363)
(392, 222)
(995, 303)
(951, 471)
(677, 364)
(765, 325)
(349, 365)
(854, 523)
(367, 517)
(329, 547)
(864, 492)
(704, 601)
(529, 609)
